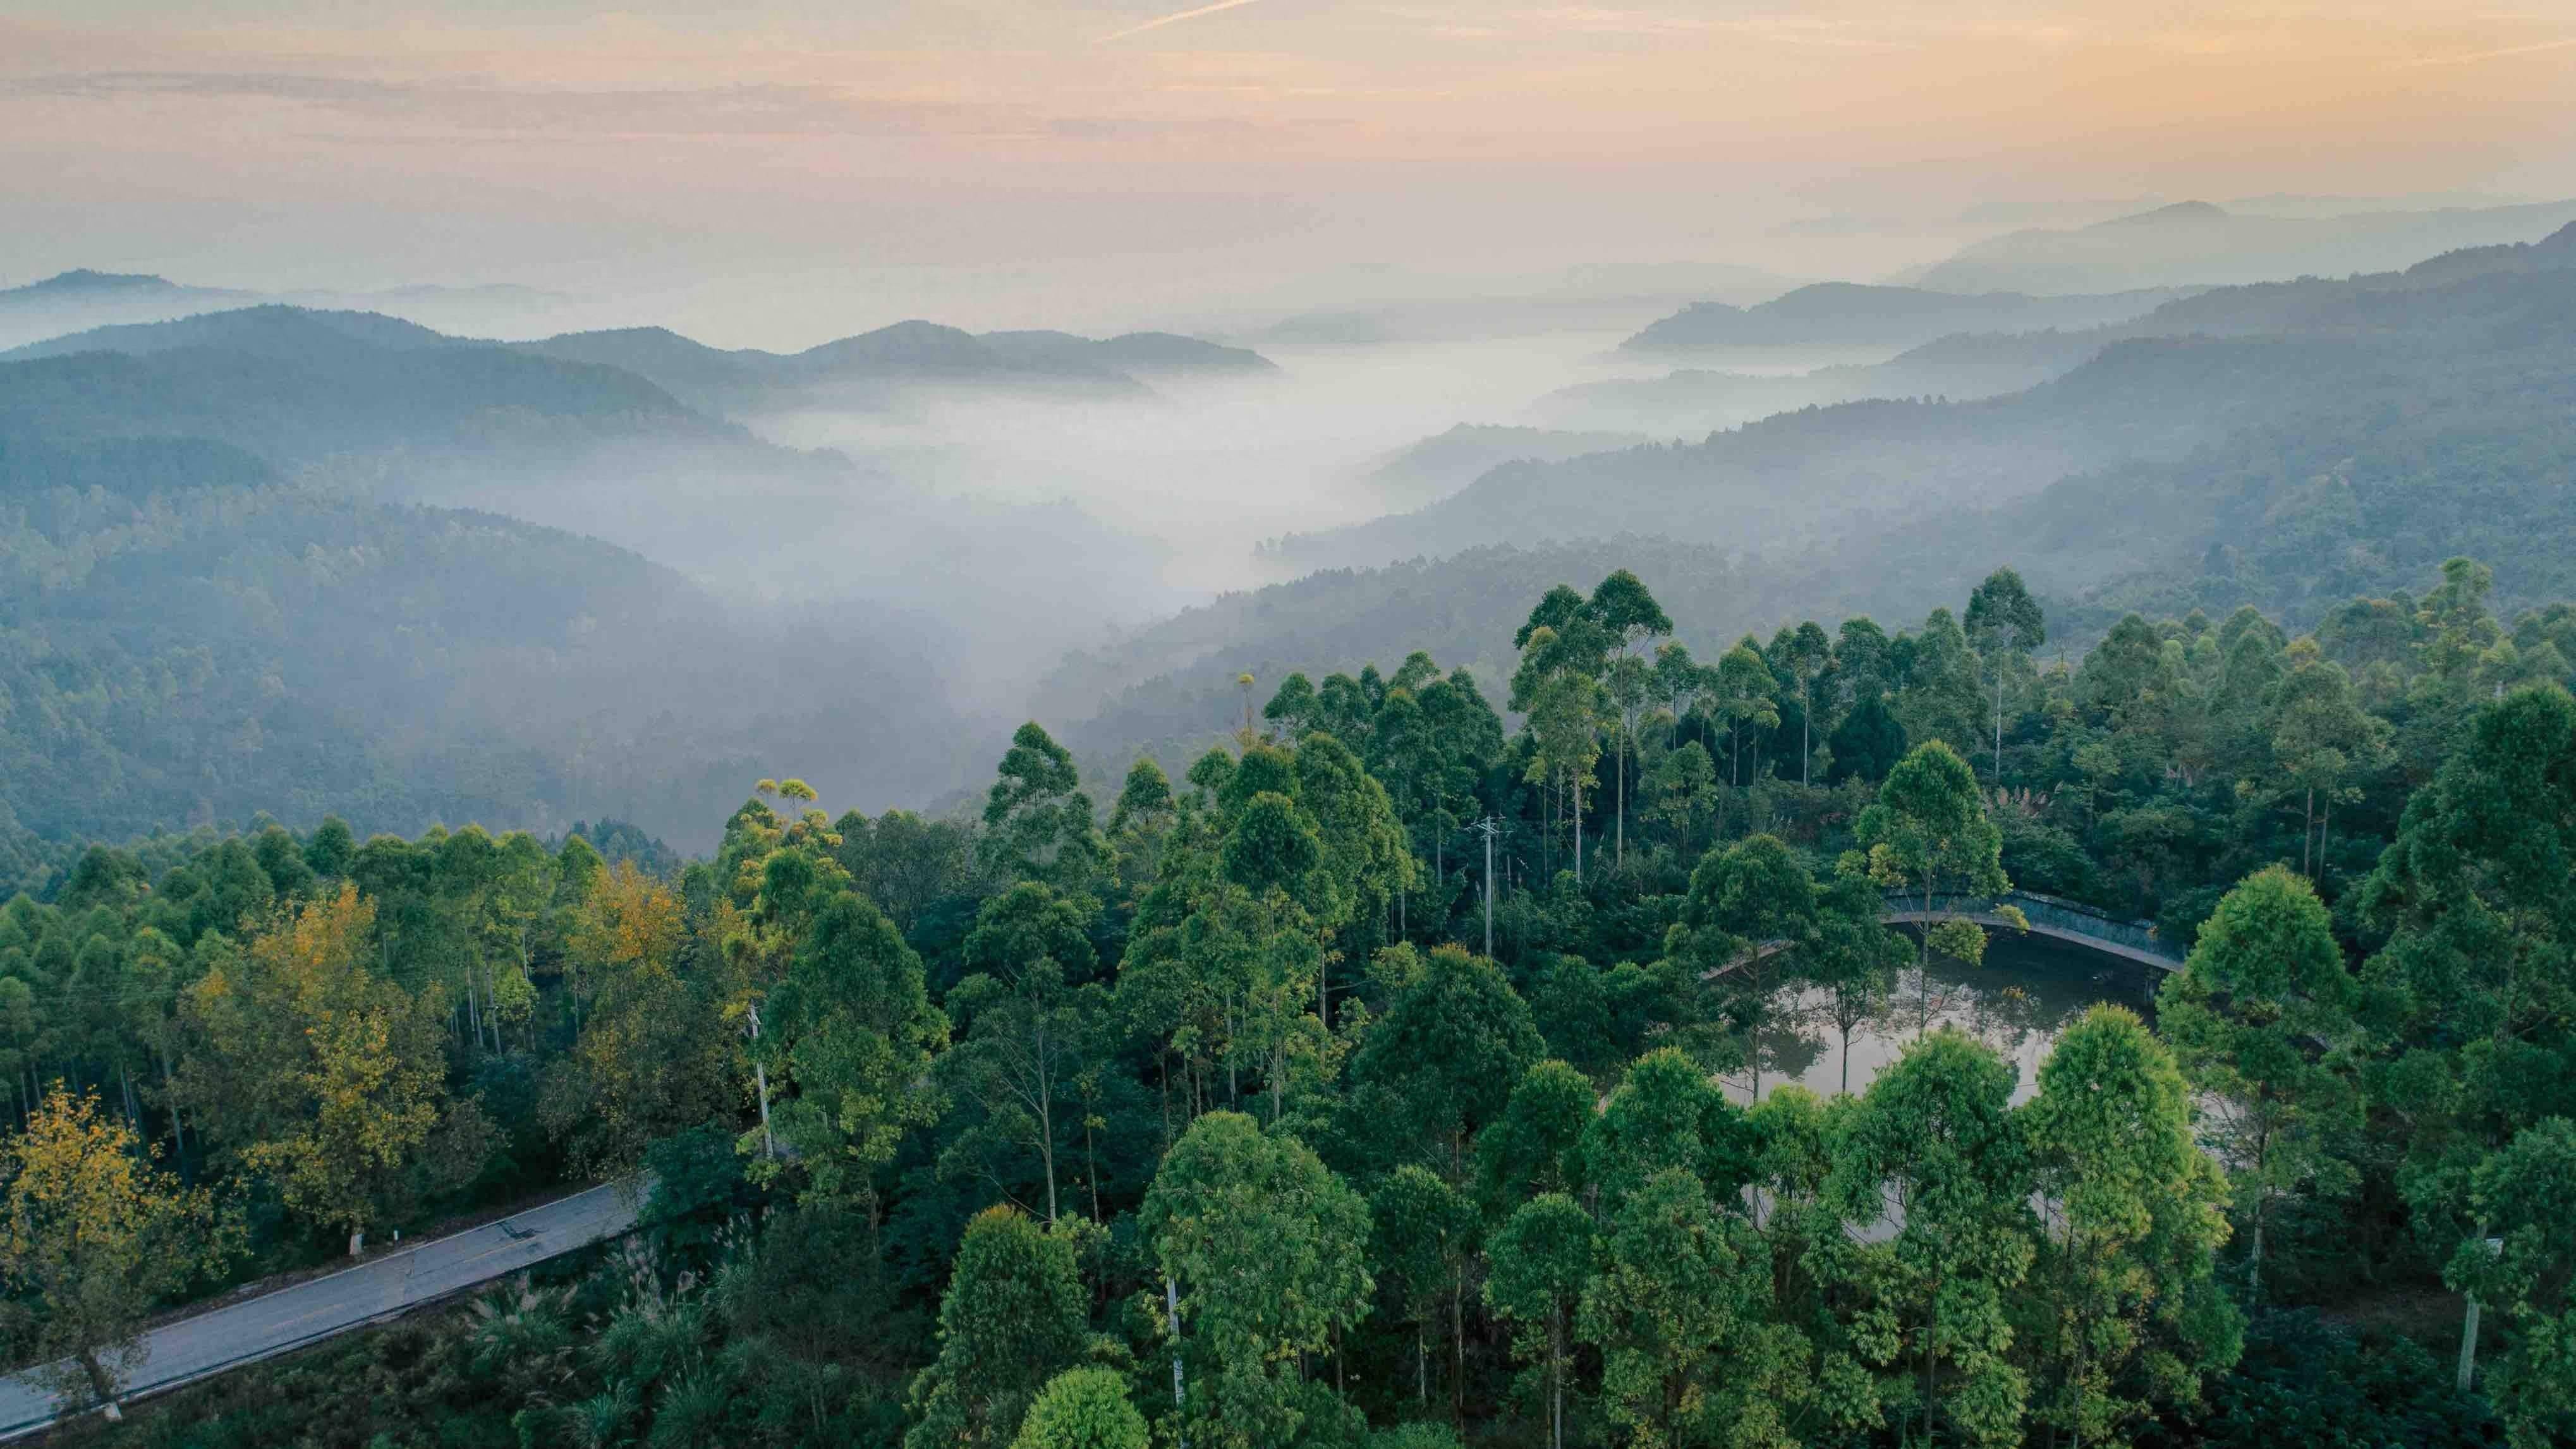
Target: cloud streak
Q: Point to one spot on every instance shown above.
(1174, 19)
(450, 111)
(2471, 58)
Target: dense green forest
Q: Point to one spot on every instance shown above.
(1249, 1108)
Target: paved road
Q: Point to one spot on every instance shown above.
(290, 1318)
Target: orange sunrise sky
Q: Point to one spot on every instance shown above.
(1016, 145)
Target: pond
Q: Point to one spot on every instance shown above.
(2029, 989)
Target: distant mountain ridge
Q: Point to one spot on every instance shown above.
(296, 387)
(373, 408)
(905, 354)
(192, 638)
(2200, 244)
(2293, 445)
(1443, 463)
(83, 281)
(1847, 313)
(2190, 376)
(71, 310)
(1965, 366)
(83, 299)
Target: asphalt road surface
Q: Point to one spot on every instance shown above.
(257, 1328)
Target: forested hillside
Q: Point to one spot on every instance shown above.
(1222, 1113)
(299, 387)
(1442, 464)
(225, 599)
(1170, 690)
(192, 641)
(2234, 368)
(1972, 364)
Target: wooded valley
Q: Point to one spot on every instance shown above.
(1248, 1104)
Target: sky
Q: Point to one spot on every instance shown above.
(1062, 160)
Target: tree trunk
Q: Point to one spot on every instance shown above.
(2254, 1257)
(1999, 726)
(2325, 824)
(178, 1129)
(1806, 748)
(2469, 1347)
(1458, 1337)
(2469, 1333)
(1046, 1145)
(101, 1386)
(1556, 1376)
(760, 1075)
(2307, 832)
(1619, 760)
(768, 1142)
(1172, 1308)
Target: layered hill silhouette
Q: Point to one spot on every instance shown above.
(2195, 243)
(2288, 444)
(1829, 314)
(314, 561)
(905, 355)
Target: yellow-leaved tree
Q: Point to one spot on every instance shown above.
(93, 1236)
(328, 1077)
(654, 1054)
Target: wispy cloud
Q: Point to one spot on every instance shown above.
(1176, 18)
(2536, 48)
(486, 110)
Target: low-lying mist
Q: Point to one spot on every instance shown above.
(1207, 467)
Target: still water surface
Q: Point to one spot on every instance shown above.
(2029, 989)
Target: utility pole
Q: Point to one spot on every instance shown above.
(1489, 827)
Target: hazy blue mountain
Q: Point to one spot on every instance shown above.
(1966, 366)
(369, 407)
(192, 639)
(1142, 354)
(313, 389)
(74, 300)
(2195, 243)
(83, 299)
(1829, 470)
(1959, 367)
(890, 360)
(87, 284)
(1446, 462)
(1846, 313)
(298, 387)
(271, 330)
(2290, 445)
